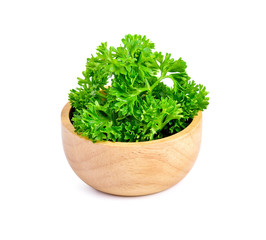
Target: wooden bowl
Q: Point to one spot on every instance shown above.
(131, 169)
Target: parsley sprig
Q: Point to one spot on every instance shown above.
(137, 106)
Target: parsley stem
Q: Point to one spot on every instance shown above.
(157, 82)
(101, 95)
(147, 84)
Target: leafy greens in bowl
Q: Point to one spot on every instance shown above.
(138, 106)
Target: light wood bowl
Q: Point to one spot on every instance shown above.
(131, 169)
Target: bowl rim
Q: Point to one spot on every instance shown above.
(65, 120)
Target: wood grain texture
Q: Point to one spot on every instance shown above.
(131, 169)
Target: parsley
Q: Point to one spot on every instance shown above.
(137, 106)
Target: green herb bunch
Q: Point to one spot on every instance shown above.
(137, 106)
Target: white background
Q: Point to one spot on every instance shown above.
(44, 46)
